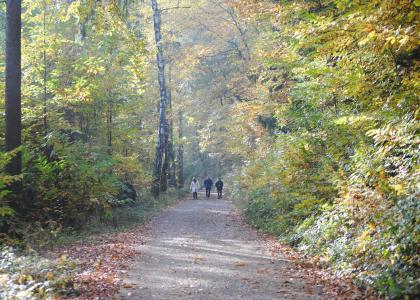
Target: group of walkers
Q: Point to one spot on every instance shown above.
(208, 184)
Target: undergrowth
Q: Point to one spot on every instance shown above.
(31, 273)
(121, 218)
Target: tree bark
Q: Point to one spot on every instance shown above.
(125, 8)
(13, 113)
(45, 111)
(165, 168)
(181, 151)
(171, 152)
(109, 129)
(163, 98)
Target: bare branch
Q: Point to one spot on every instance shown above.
(175, 7)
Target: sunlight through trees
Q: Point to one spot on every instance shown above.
(307, 109)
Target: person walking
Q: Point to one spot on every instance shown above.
(219, 187)
(208, 183)
(194, 187)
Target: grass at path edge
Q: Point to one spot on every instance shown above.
(126, 217)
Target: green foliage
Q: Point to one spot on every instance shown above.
(123, 217)
(66, 191)
(86, 124)
(7, 212)
(312, 107)
(342, 179)
(5, 181)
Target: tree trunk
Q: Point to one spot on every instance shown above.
(163, 99)
(181, 152)
(13, 89)
(171, 152)
(125, 8)
(165, 167)
(44, 109)
(109, 129)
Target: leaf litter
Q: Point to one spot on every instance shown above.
(103, 263)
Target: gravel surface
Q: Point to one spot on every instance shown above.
(200, 249)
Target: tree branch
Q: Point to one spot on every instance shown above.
(175, 7)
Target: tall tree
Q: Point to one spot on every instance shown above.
(163, 98)
(180, 151)
(45, 70)
(13, 88)
(171, 152)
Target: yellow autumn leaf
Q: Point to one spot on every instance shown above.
(399, 188)
(22, 279)
(49, 276)
(63, 258)
(391, 40)
(404, 40)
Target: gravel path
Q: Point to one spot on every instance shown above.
(201, 250)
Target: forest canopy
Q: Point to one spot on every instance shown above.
(308, 109)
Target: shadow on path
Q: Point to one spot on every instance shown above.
(199, 250)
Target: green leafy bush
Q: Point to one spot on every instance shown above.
(342, 181)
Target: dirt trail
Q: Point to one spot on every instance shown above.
(201, 250)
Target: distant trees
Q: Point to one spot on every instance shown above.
(206, 52)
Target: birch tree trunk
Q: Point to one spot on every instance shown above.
(162, 101)
(13, 88)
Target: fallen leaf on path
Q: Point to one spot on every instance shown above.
(240, 264)
(263, 271)
(197, 259)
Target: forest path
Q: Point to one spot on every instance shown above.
(200, 249)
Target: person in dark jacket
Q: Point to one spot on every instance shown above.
(208, 183)
(219, 187)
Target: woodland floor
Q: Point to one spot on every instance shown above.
(201, 249)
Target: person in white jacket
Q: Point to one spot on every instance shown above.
(194, 187)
